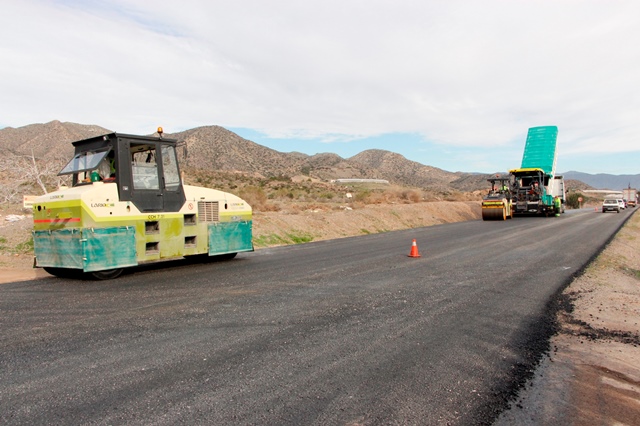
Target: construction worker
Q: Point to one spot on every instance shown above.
(106, 169)
(112, 165)
(535, 189)
(557, 202)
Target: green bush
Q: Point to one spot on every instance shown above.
(572, 200)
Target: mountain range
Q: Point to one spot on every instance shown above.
(218, 149)
(605, 181)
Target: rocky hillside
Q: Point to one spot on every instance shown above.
(218, 149)
(46, 139)
(576, 185)
(395, 167)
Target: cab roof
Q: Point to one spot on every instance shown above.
(111, 137)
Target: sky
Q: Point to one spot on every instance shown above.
(451, 84)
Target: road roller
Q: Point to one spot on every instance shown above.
(127, 205)
(497, 204)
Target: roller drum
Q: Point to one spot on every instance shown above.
(494, 214)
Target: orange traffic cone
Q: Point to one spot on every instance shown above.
(414, 249)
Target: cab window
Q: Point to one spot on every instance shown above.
(144, 169)
(170, 168)
(83, 161)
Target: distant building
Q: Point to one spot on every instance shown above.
(601, 191)
(383, 181)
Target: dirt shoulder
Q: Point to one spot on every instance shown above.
(592, 375)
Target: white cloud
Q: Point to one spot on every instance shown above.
(458, 72)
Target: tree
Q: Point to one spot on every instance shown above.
(26, 174)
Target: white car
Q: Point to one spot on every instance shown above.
(610, 205)
(623, 205)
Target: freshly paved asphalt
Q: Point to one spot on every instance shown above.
(349, 331)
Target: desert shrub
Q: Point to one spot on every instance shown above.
(270, 207)
(376, 198)
(326, 195)
(362, 195)
(454, 196)
(412, 195)
(255, 196)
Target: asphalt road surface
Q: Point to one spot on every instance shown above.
(342, 332)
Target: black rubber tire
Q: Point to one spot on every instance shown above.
(63, 272)
(204, 258)
(109, 274)
(227, 256)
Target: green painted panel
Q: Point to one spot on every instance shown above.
(109, 248)
(61, 248)
(230, 237)
(87, 249)
(540, 149)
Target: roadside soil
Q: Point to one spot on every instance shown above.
(591, 376)
(324, 222)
